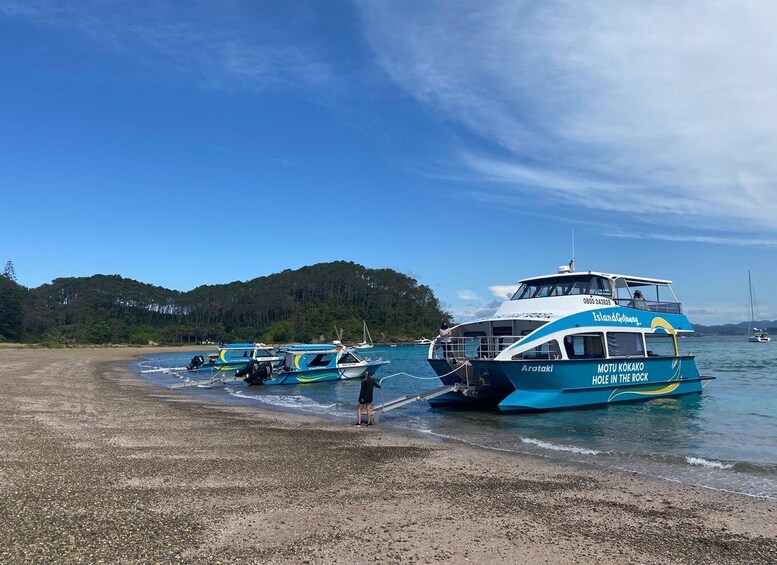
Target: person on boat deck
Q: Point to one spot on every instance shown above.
(639, 301)
(365, 399)
(445, 339)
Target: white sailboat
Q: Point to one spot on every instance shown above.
(754, 334)
(366, 339)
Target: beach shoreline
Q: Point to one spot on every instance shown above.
(100, 466)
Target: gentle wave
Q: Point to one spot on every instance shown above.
(555, 447)
(709, 464)
(296, 401)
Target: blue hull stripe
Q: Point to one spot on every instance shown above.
(551, 385)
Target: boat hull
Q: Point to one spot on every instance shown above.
(215, 368)
(478, 389)
(358, 371)
(303, 377)
(323, 374)
(562, 384)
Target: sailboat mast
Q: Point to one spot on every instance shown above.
(752, 314)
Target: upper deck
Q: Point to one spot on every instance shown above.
(641, 293)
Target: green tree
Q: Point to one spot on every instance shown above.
(9, 272)
(305, 304)
(11, 309)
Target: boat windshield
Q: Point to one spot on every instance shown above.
(564, 286)
(235, 353)
(646, 295)
(349, 358)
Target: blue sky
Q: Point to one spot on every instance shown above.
(460, 142)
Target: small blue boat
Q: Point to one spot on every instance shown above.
(570, 340)
(312, 363)
(233, 357)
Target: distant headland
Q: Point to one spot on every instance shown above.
(314, 303)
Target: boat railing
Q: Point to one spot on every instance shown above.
(651, 305)
(473, 347)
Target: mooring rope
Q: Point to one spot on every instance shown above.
(408, 378)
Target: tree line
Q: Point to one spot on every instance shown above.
(308, 304)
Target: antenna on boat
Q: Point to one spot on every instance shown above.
(570, 268)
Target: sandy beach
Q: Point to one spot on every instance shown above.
(98, 466)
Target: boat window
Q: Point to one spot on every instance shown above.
(321, 360)
(348, 358)
(548, 350)
(526, 291)
(264, 353)
(550, 289)
(624, 344)
(584, 346)
(659, 345)
(600, 286)
(578, 286)
(564, 286)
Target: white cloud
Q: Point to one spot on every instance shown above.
(696, 238)
(467, 295)
(220, 44)
(726, 313)
(505, 291)
(662, 110)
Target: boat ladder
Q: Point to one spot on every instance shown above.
(417, 396)
(407, 399)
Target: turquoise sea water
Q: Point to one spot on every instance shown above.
(725, 438)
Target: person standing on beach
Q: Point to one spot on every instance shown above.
(365, 399)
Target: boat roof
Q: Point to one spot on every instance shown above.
(244, 346)
(312, 347)
(612, 276)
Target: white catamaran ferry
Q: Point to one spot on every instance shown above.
(569, 340)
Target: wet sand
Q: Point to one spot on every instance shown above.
(99, 467)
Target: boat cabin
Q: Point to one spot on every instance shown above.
(642, 293)
(299, 357)
(243, 352)
(540, 300)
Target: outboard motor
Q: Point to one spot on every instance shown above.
(256, 372)
(196, 362)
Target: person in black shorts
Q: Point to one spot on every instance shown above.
(365, 399)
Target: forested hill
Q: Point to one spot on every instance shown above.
(302, 305)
